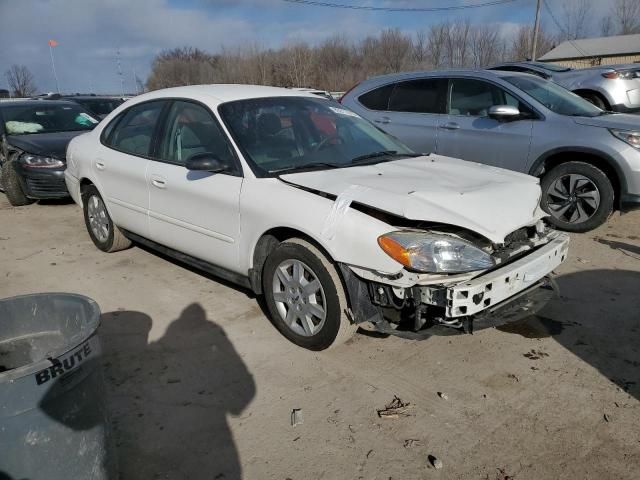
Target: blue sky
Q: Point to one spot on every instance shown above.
(90, 32)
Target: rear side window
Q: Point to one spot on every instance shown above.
(377, 99)
(473, 98)
(132, 131)
(419, 96)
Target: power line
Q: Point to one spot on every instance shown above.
(399, 9)
(562, 29)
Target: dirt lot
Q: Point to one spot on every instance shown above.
(201, 386)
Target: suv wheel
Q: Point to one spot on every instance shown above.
(305, 296)
(578, 196)
(12, 187)
(597, 100)
(105, 235)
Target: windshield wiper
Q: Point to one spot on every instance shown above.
(382, 153)
(311, 166)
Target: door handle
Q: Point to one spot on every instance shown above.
(159, 182)
(450, 126)
(382, 120)
(100, 165)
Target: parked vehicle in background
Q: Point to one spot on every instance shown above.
(335, 222)
(33, 143)
(314, 91)
(588, 159)
(99, 106)
(609, 87)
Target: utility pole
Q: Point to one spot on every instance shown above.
(53, 43)
(135, 80)
(536, 28)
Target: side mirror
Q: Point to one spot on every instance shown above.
(504, 112)
(206, 162)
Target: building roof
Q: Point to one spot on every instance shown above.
(595, 47)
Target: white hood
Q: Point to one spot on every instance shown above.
(488, 200)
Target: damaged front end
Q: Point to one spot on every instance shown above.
(418, 305)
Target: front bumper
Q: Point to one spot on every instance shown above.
(42, 183)
(507, 294)
(629, 202)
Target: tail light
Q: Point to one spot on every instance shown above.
(622, 74)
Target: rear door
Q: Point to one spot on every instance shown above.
(470, 134)
(410, 110)
(195, 212)
(120, 165)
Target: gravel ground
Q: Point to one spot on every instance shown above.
(201, 386)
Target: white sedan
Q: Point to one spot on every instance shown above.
(303, 201)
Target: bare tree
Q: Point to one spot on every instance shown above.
(576, 18)
(627, 13)
(457, 43)
(521, 43)
(606, 26)
(21, 81)
(485, 45)
(436, 44)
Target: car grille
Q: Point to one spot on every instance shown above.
(46, 187)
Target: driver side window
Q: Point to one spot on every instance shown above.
(473, 98)
(191, 129)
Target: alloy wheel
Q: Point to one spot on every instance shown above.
(98, 218)
(299, 297)
(573, 198)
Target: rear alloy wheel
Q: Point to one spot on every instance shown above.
(305, 296)
(105, 235)
(578, 196)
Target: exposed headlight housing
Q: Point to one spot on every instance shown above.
(433, 253)
(36, 161)
(628, 136)
(622, 74)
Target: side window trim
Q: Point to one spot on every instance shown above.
(162, 126)
(116, 123)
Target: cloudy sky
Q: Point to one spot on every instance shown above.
(90, 32)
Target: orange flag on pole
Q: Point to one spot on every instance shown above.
(53, 43)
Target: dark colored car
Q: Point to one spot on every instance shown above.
(33, 143)
(99, 106)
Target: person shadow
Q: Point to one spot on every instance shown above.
(169, 399)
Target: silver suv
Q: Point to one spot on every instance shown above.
(610, 87)
(588, 159)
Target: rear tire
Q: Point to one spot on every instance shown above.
(578, 196)
(104, 234)
(12, 187)
(328, 297)
(597, 100)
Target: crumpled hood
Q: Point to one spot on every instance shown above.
(622, 121)
(52, 144)
(490, 201)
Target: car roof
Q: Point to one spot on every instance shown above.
(221, 93)
(90, 97)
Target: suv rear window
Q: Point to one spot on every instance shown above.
(377, 99)
(419, 96)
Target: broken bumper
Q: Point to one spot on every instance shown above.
(488, 290)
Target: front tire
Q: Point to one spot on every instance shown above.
(12, 187)
(105, 235)
(305, 296)
(578, 196)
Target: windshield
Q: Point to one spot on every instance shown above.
(554, 97)
(285, 134)
(46, 118)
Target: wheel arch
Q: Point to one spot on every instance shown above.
(599, 159)
(598, 93)
(267, 242)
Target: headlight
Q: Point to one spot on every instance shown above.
(627, 136)
(427, 252)
(622, 74)
(35, 161)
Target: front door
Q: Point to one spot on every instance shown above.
(195, 212)
(470, 134)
